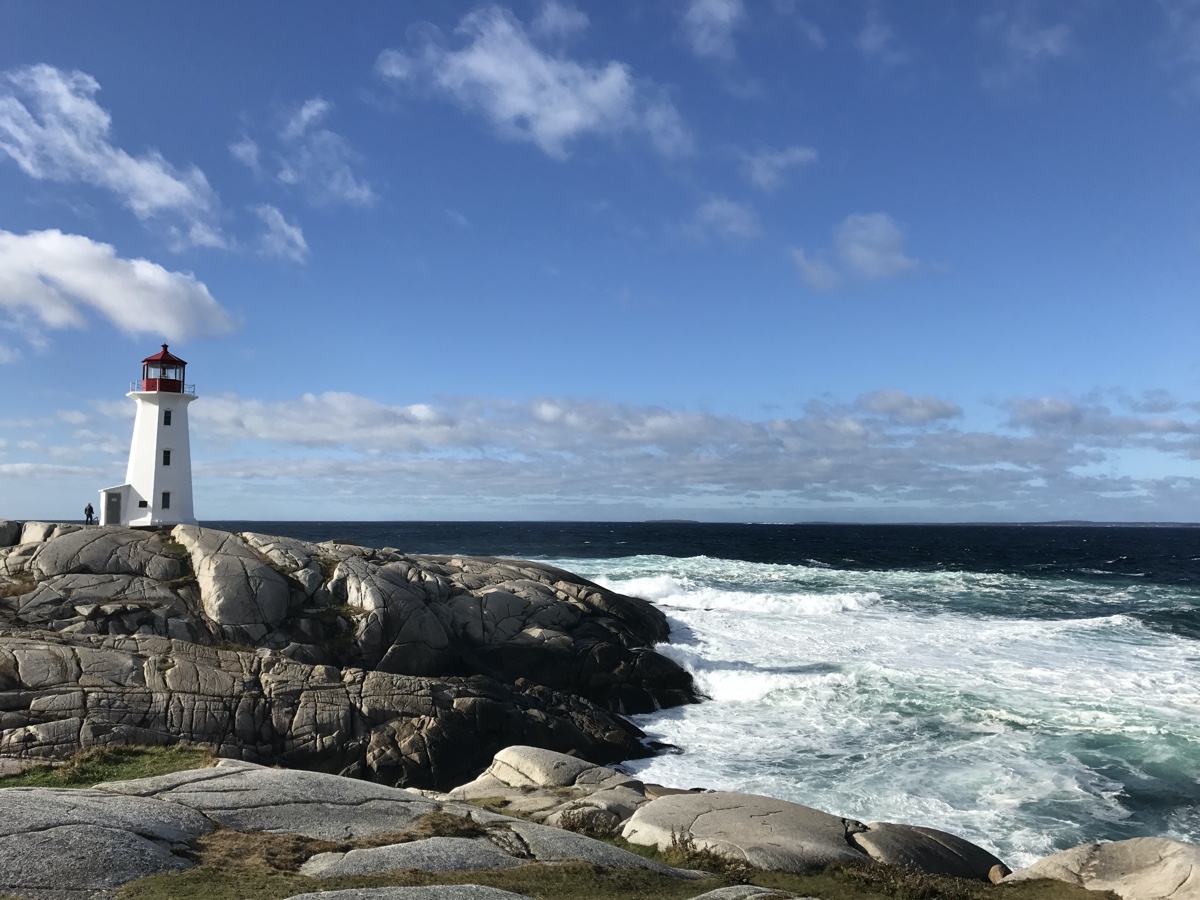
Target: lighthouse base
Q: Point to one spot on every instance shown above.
(122, 505)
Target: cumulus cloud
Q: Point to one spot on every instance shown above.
(886, 447)
(724, 218)
(311, 158)
(868, 246)
(52, 127)
(56, 278)
(1022, 47)
(533, 92)
(903, 407)
(709, 25)
(766, 168)
(281, 238)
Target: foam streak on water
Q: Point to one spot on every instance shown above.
(1025, 714)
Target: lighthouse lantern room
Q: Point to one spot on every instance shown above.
(158, 480)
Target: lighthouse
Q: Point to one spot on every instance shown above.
(158, 480)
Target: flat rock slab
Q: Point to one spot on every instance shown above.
(67, 842)
(246, 797)
(85, 857)
(763, 831)
(26, 810)
(436, 854)
(1136, 869)
(926, 849)
(438, 892)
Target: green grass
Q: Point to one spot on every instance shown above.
(117, 763)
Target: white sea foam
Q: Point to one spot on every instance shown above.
(1001, 708)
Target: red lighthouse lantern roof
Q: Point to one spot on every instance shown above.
(164, 357)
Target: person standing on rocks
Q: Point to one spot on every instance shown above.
(89, 514)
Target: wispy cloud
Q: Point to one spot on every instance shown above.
(531, 91)
(56, 278)
(281, 239)
(878, 42)
(1022, 47)
(868, 246)
(52, 127)
(311, 158)
(765, 168)
(1182, 45)
(724, 218)
(709, 25)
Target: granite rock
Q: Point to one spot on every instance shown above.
(1146, 868)
(766, 833)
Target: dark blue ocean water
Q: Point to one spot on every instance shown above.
(1028, 687)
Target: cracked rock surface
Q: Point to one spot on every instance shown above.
(400, 668)
(1134, 869)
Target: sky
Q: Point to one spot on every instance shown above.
(728, 260)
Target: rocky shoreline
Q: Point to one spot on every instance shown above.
(486, 692)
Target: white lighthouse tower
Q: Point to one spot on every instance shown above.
(158, 481)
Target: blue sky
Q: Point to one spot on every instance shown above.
(781, 260)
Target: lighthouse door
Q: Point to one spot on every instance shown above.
(112, 508)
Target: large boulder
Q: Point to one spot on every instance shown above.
(105, 551)
(10, 532)
(764, 832)
(1146, 868)
(59, 693)
(239, 591)
(776, 834)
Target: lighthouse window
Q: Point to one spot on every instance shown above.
(166, 417)
(166, 504)
(166, 457)
(142, 504)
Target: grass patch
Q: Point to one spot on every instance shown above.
(560, 881)
(874, 881)
(116, 763)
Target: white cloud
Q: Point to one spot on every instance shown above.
(320, 161)
(1023, 46)
(903, 407)
(308, 114)
(872, 245)
(765, 168)
(878, 42)
(282, 238)
(52, 127)
(55, 277)
(886, 447)
(245, 151)
(315, 160)
(559, 21)
(725, 218)
(867, 246)
(709, 26)
(534, 94)
(817, 273)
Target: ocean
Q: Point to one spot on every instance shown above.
(1028, 687)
